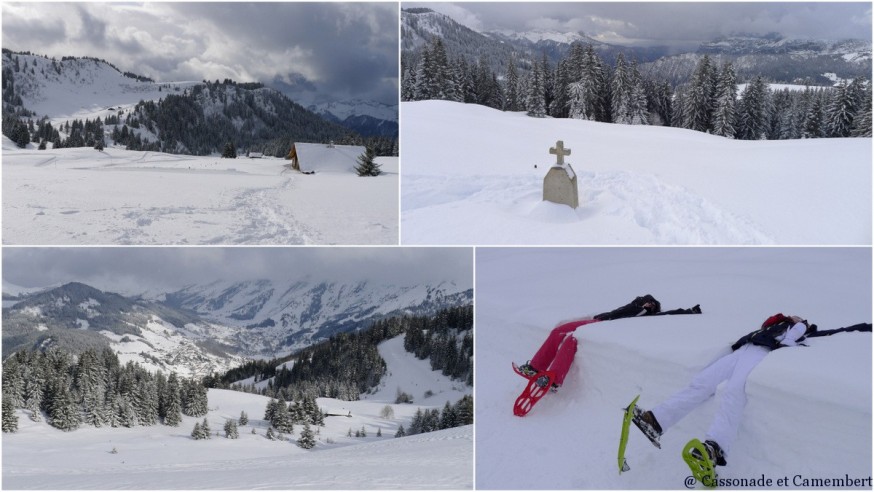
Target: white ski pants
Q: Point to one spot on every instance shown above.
(733, 368)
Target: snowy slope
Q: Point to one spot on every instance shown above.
(159, 457)
(81, 88)
(82, 196)
(809, 409)
(415, 377)
(470, 178)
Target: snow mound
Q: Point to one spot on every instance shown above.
(474, 175)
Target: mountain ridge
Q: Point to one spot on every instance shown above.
(203, 328)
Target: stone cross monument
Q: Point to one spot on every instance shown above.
(560, 183)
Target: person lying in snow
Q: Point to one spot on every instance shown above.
(776, 332)
(558, 350)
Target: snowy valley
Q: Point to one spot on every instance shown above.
(160, 457)
(141, 163)
(203, 329)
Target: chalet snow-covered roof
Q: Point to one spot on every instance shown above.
(327, 157)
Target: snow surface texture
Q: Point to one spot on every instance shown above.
(159, 457)
(809, 408)
(469, 177)
(82, 196)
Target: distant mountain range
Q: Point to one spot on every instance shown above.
(206, 328)
(777, 58)
(369, 118)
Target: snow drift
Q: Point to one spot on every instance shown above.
(474, 175)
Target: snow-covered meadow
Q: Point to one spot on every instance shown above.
(158, 457)
(82, 196)
(469, 177)
(809, 410)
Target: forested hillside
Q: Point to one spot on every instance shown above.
(348, 364)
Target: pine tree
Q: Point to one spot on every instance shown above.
(230, 151)
(753, 111)
(10, 420)
(244, 419)
(840, 112)
(699, 103)
(726, 95)
(813, 126)
(401, 432)
(172, 402)
(282, 419)
(231, 430)
(367, 166)
(535, 101)
(637, 106)
(197, 433)
(621, 89)
(204, 427)
(63, 412)
(862, 121)
(512, 86)
(307, 440)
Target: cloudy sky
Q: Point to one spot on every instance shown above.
(136, 270)
(345, 50)
(666, 24)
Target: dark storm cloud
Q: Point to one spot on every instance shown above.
(134, 270)
(666, 23)
(344, 49)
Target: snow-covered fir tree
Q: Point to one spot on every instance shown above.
(10, 420)
(511, 82)
(754, 111)
(197, 432)
(724, 115)
(173, 402)
(840, 112)
(244, 419)
(699, 102)
(367, 166)
(621, 90)
(306, 440)
(862, 121)
(535, 100)
(231, 429)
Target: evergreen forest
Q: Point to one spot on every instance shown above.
(584, 86)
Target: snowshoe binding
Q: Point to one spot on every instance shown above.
(700, 458)
(647, 423)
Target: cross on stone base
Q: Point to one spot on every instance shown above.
(559, 152)
(560, 183)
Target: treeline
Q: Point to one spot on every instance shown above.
(446, 340)
(583, 86)
(349, 364)
(94, 388)
(461, 413)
